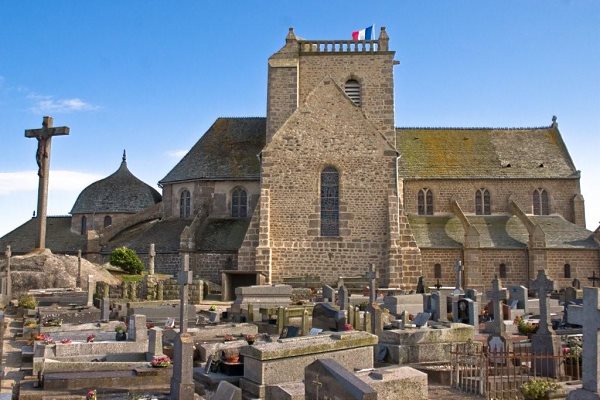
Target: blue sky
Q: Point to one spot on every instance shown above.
(151, 77)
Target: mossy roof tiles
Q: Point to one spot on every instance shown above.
(222, 234)
(59, 237)
(228, 150)
(164, 234)
(120, 192)
(483, 153)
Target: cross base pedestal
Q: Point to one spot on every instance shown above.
(182, 382)
(546, 345)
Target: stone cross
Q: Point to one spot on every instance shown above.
(594, 278)
(151, 255)
(343, 297)
(591, 339)
(458, 268)
(317, 385)
(496, 295)
(372, 276)
(542, 285)
(8, 285)
(78, 280)
(42, 157)
(184, 279)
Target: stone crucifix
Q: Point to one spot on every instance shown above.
(42, 157)
(458, 268)
(78, 279)
(496, 295)
(184, 279)
(372, 277)
(151, 255)
(542, 285)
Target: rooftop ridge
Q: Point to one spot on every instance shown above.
(222, 117)
(441, 128)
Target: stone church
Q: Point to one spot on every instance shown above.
(326, 184)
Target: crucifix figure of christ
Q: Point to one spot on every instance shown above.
(42, 157)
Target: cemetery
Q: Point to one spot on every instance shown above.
(267, 344)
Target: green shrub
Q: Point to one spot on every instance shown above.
(126, 259)
(536, 389)
(27, 301)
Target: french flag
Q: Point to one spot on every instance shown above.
(364, 34)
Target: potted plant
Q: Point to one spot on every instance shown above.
(348, 327)
(231, 355)
(91, 394)
(161, 362)
(120, 333)
(524, 327)
(538, 389)
(250, 339)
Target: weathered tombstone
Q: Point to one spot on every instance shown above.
(328, 294)
(458, 268)
(420, 285)
(435, 306)
(325, 316)
(421, 319)
(44, 138)
(471, 294)
(327, 379)
(160, 289)
(519, 293)
(304, 325)
(151, 255)
(545, 342)
(227, 391)
(182, 382)
(468, 313)
(91, 290)
(155, 344)
(588, 316)
(343, 298)
(571, 294)
(576, 283)
(78, 279)
(105, 309)
(289, 331)
(372, 277)
(377, 321)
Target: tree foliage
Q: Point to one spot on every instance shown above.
(127, 259)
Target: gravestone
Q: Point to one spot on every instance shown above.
(328, 294)
(571, 295)
(497, 338)
(436, 306)
(421, 319)
(227, 391)
(155, 343)
(327, 317)
(413, 303)
(518, 293)
(576, 283)
(420, 285)
(343, 298)
(289, 331)
(327, 379)
(91, 291)
(588, 316)
(458, 269)
(372, 277)
(105, 309)
(468, 313)
(78, 279)
(471, 294)
(545, 342)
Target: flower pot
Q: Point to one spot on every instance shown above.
(121, 336)
(233, 359)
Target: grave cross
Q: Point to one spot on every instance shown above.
(78, 280)
(542, 285)
(372, 277)
(458, 268)
(42, 157)
(496, 295)
(151, 255)
(185, 279)
(317, 385)
(8, 285)
(594, 278)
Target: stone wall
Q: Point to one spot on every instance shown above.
(208, 266)
(444, 257)
(516, 262)
(561, 192)
(583, 263)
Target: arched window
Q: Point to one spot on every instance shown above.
(437, 271)
(425, 202)
(239, 203)
(107, 221)
(567, 270)
(83, 225)
(352, 90)
(502, 271)
(185, 201)
(482, 202)
(330, 202)
(541, 205)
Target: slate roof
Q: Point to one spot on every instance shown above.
(164, 234)
(120, 192)
(472, 153)
(228, 150)
(59, 237)
(222, 234)
(498, 231)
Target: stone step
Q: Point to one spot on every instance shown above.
(158, 377)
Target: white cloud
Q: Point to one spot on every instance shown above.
(48, 104)
(177, 153)
(27, 181)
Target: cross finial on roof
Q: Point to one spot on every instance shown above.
(124, 156)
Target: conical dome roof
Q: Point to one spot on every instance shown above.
(120, 192)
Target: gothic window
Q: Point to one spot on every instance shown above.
(540, 202)
(352, 90)
(437, 271)
(425, 202)
(83, 225)
(482, 202)
(330, 202)
(107, 221)
(502, 271)
(239, 203)
(567, 270)
(185, 201)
